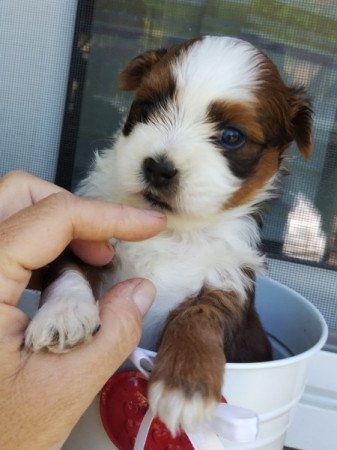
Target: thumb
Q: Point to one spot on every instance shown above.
(122, 310)
(135, 295)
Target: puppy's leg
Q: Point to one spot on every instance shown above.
(186, 382)
(69, 314)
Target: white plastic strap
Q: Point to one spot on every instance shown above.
(143, 431)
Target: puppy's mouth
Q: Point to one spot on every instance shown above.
(156, 202)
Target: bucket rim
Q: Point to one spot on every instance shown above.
(291, 359)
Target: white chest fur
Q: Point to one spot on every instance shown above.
(180, 264)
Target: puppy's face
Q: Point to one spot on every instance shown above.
(207, 129)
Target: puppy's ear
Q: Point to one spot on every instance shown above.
(132, 75)
(301, 120)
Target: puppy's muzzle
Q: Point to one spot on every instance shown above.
(160, 172)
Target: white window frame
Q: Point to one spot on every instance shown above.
(314, 423)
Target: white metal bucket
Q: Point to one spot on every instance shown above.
(297, 331)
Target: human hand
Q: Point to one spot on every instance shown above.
(19, 190)
(43, 395)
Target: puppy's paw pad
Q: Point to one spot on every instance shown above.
(178, 410)
(58, 327)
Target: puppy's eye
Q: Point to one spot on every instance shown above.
(232, 139)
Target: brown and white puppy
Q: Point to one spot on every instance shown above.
(203, 142)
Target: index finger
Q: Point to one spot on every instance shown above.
(27, 190)
(35, 236)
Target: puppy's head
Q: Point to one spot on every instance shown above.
(207, 129)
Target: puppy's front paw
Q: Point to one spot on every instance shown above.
(69, 316)
(184, 388)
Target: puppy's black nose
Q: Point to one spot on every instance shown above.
(159, 173)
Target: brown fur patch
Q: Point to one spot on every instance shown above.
(240, 115)
(200, 335)
(148, 73)
(279, 116)
(285, 112)
(267, 167)
(131, 77)
(150, 76)
(243, 117)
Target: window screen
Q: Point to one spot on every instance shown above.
(299, 36)
(35, 47)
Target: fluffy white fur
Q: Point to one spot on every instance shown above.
(179, 264)
(177, 410)
(69, 316)
(226, 69)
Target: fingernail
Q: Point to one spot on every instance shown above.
(143, 295)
